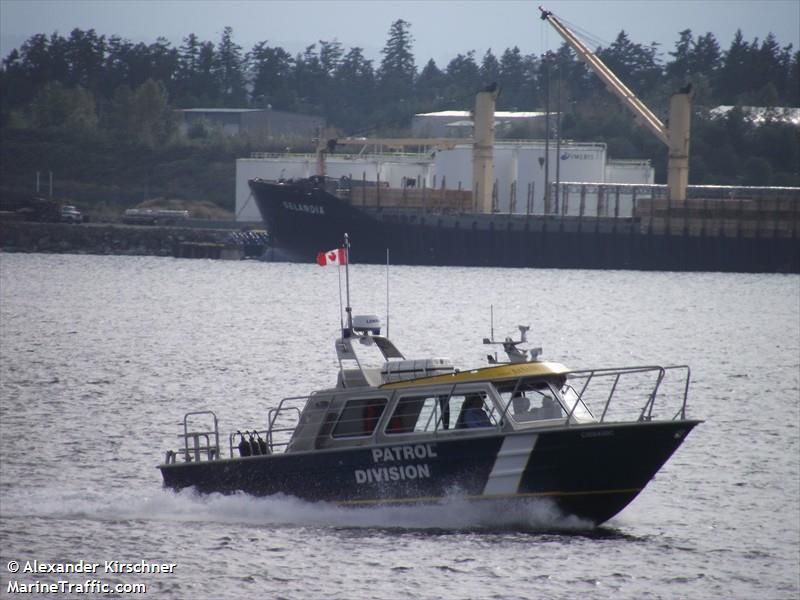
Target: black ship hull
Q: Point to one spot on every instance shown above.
(591, 472)
(303, 218)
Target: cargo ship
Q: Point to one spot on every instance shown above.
(702, 235)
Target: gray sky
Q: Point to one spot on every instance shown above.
(441, 29)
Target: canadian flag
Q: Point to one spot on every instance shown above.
(332, 257)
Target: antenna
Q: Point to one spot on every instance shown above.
(515, 355)
(490, 340)
(387, 292)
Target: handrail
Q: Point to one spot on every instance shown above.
(272, 417)
(211, 450)
(205, 442)
(610, 394)
(646, 412)
(648, 407)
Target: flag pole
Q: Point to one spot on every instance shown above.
(341, 318)
(347, 309)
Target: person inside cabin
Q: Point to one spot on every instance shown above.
(550, 409)
(473, 414)
(522, 407)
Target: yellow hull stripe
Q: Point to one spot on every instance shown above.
(429, 499)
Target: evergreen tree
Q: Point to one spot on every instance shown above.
(696, 61)
(680, 66)
(397, 70)
(309, 80)
(229, 71)
(208, 90)
(772, 66)
(186, 74)
(58, 64)
(634, 64)
(463, 78)
(517, 81)
(270, 70)
(705, 57)
(354, 89)
(138, 62)
(189, 56)
(490, 68)
(165, 63)
(793, 91)
(35, 59)
(84, 52)
(330, 54)
(735, 70)
(430, 87)
(13, 86)
(574, 78)
(116, 68)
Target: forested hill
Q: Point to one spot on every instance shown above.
(98, 109)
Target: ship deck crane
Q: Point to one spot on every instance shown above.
(675, 136)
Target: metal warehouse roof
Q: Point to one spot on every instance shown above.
(499, 114)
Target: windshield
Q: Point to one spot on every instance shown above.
(581, 412)
(529, 400)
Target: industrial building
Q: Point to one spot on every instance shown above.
(458, 123)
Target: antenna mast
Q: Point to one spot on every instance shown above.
(387, 292)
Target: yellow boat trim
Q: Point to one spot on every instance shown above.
(493, 373)
(428, 499)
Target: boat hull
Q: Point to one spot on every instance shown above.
(591, 472)
(303, 220)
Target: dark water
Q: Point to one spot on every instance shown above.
(101, 357)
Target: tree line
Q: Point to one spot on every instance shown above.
(91, 82)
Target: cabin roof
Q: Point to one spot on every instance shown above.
(493, 373)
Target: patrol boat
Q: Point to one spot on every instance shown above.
(398, 430)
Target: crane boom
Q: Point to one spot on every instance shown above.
(676, 136)
(619, 89)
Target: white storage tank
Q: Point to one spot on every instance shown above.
(524, 162)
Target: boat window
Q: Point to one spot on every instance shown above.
(419, 414)
(474, 410)
(359, 417)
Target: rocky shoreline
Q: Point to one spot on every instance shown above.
(103, 238)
